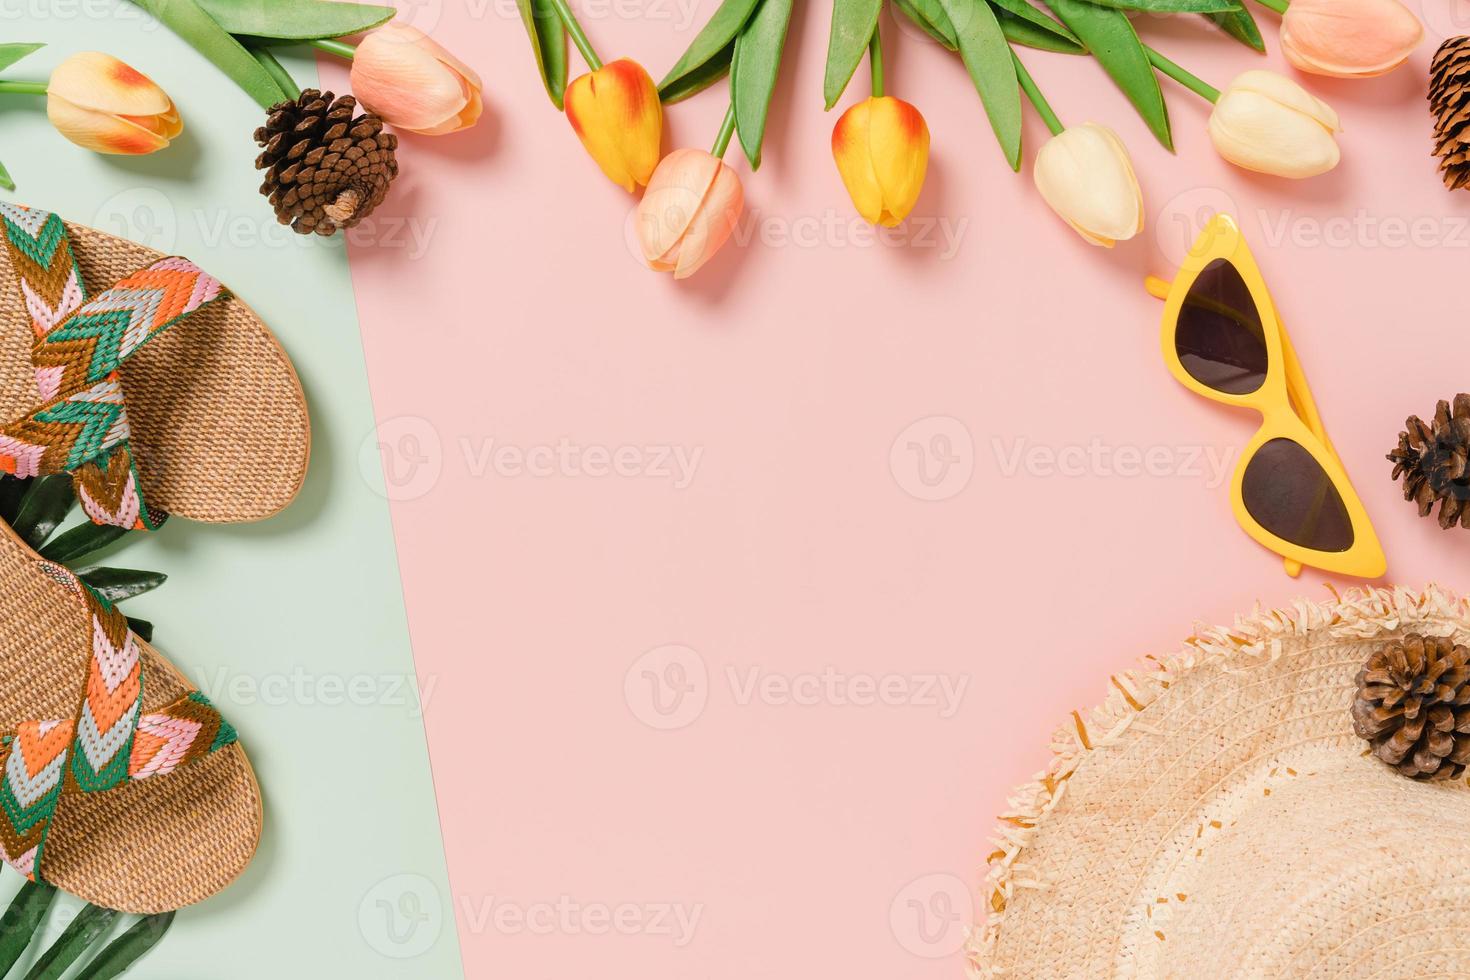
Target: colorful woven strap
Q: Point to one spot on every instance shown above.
(82, 427)
(109, 743)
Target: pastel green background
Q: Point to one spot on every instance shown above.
(295, 627)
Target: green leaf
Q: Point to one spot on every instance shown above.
(79, 542)
(21, 919)
(1024, 24)
(1109, 35)
(931, 19)
(9, 55)
(5, 180)
(709, 44)
(853, 24)
(144, 629)
(12, 492)
(117, 584)
(128, 948)
(46, 505)
(700, 78)
(1171, 6)
(1240, 25)
(90, 923)
(189, 21)
(754, 67)
(987, 57)
(549, 41)
(295, 20)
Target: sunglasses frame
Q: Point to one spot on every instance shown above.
(1284, 402)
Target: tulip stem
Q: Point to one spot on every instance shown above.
(22, 88)
(1195, 84)
(875, 61)
(1038, 101)
(579, 37)
(727, 129)
(339, 48)
(276, 70)
(1277, 5)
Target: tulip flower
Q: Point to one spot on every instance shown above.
(406, 77)
(1085, 175)
(690, 208)
(1348, 38)
(881, 146)
(616, 113)
(102, 104)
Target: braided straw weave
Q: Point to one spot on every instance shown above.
(218, 418)
(1218, 818)
(148, 846)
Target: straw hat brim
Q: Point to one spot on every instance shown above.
(1217, 817)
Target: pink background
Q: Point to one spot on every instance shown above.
(820, 839)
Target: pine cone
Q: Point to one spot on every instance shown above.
(1435, 463)
(324, 168)
(1449, 100)
(1411, 705)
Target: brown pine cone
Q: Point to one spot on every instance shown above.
(1434, 461)
(1413, 706)
(1449, 100)
(324, 167)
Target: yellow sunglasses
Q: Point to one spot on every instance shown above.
(1223, 340)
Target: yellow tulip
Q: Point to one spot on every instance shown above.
(881, 146)
(102, 104)
(1086, 176)
(616, 113)
(1268, 123)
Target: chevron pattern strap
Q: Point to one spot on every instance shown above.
(82, 427)
(108, 744)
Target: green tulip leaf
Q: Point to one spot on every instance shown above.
(1171, 6)
(45, 506)
(931, 19)
(12, 492)
(117, 584)
(296, 20)
(21, 920)
(987, 58)
(90, 924)
(754, 66)
(1024, 24)
(853, 24)
(1109, 35)
(126, 949)
(144, 631)
(700, 78)
(549, 41)
(80, 541)
(189, 21)
(11, 53)
(1239, 24)
(715, 41)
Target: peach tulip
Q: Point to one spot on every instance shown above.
(1268, 123)
(617, 115)
(1349, 38)
(107, 106)
(881, 146)
(690, 208)
(406, 77)
(1086, 176)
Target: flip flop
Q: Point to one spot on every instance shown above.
(143, 377)
(119, 783)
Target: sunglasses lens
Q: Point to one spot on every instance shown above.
(1219, 338)
(1289, 494)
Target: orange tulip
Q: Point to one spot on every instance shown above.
(881, 146)
(617, 115)
(102, 104)
(691, 205)
(406, 77)
(1349, 38)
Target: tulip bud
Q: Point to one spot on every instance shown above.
(617, 115)
(1085, 174)
(104, 105)
(881, 146)
(1349, 38)
(406, 77)
(691, 205)
(1270, 124)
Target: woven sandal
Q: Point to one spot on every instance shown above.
(119, 783)
(214, 427)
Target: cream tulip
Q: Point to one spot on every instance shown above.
(1085, 175)
(107, 106)
(1270, 124)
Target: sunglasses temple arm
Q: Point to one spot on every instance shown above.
(1157, 288)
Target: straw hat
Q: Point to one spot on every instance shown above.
(1218, 818)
